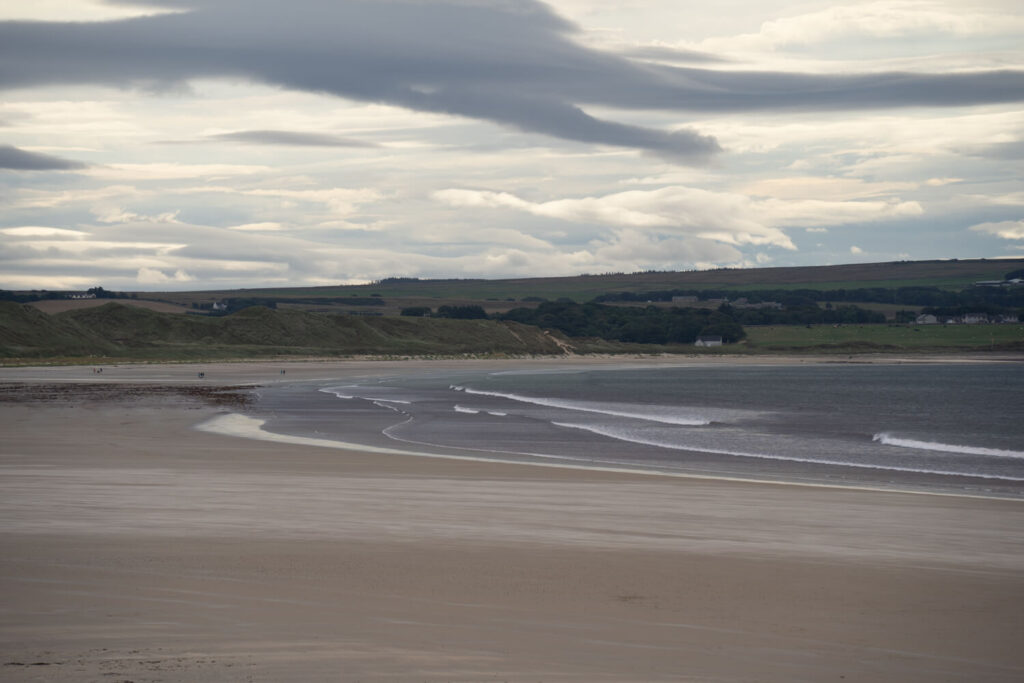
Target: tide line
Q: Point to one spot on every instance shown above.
(246, 427)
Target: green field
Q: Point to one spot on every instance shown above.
(885, 337)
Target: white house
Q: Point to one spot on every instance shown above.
(708, 340)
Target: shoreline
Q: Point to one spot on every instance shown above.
(263, 369)
(140, 548)
(873, 357)
(228, 386)
(245, 427)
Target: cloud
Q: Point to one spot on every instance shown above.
(824, 188)
(42, 231)
(258, 227)
(21, 160)
(117, 214)
(815, 213)
(717, 216)
(631, 250)
(1008, 230)
(153, 276)
(62, 10)
(289, 138)
(516, 64)
(172, 171)
(856, 250)
(29, 198)
(339, 200)
(883, 19)
(1002, 151)
(670, 53)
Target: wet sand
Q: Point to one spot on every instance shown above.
(134, 547)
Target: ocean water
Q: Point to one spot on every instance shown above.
(949, 427)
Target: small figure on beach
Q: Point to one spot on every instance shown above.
(202, 375)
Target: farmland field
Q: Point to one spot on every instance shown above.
(885, 337)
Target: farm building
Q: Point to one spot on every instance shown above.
(708, 340)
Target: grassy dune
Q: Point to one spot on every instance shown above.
(118, 331)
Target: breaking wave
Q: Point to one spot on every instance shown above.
(374, 399)
(649, 414)
(625, 435)
(889, 440)
(475, 411)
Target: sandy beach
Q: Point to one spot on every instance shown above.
(137, 548)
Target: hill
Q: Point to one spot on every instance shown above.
(61, 305)
(26, 331)
(119, 331)
(952, 274)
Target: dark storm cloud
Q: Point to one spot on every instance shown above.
(289, 138)
(19, 160)
(510, 62)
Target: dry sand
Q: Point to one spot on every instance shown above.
(135, 548)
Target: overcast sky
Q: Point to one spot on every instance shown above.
(208, 144)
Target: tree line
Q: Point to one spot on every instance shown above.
(650, 325)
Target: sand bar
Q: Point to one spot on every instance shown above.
(135, 547)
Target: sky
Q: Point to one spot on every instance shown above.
(218, 144)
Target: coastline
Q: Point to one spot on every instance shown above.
(140, 547)
(246, 427)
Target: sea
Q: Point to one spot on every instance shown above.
(951, 428)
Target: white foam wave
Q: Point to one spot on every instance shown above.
(337, 394)
(633, 438)
(645, 413)
(374, 399)
(468, 411)
(889, 440)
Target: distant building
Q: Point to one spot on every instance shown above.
(743, 303)
(975, 318)
(218, 306)
(708, 340)
(1009, 318)
(684, 299)
(90, 295)
(926, 319)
